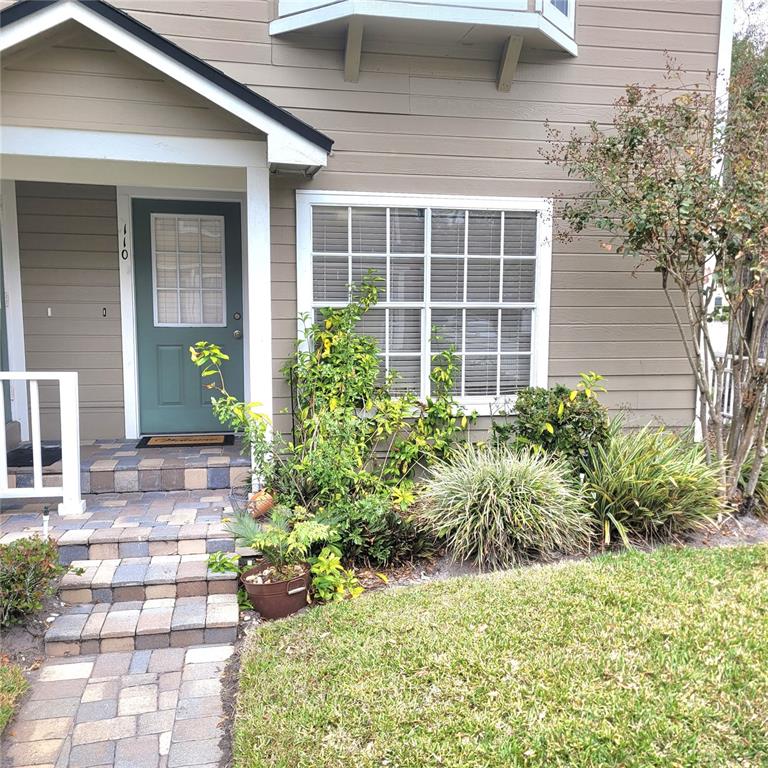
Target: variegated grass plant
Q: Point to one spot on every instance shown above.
(499, 507)
(651, 485)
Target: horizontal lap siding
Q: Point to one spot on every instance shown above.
(284, 313)
(68, 255)
(78, 80)
(428, 119)
(435, 123)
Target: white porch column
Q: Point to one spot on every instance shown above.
(72, 502)
(258, 336)
(9, 231)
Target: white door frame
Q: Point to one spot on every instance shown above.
(14, 314)
(125, 197)
(112, 159)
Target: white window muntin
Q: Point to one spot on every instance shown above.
(306, 200)
(222, 290)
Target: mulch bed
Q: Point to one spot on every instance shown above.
(23, 644)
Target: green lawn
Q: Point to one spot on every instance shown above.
(12, 686)
(635, 660)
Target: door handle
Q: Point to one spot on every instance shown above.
(238, 334)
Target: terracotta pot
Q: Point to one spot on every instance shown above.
(279, 599)
(261, 503)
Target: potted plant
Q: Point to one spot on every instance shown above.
(278, 583)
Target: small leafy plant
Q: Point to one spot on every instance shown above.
(373, 530)
(561, 420)
(29, 569)
(243, 601)
(331, 581)
(223, 562)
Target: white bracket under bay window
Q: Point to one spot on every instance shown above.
(472, 274)
(508, 25)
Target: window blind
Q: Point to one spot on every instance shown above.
(447, 278)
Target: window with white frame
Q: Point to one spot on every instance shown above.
(188, 267)
(466, 274)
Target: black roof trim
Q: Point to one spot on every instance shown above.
(25, 8)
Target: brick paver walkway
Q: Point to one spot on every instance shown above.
(132, 677)
(146, 709)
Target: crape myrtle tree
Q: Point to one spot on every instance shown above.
(679, 181)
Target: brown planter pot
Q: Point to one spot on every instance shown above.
(274, 601)
(261, 503)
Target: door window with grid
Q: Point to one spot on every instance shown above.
(188, 267)
(448, 277)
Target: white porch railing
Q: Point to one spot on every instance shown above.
(69, 491)
(725, 397)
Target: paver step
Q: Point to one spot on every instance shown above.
(109, 466)
(118, 542)
(143, 625)
(153, 478)
(143, 578)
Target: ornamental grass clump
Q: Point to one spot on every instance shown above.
(499, 507)
(650, 485)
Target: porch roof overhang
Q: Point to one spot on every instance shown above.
(291, 143)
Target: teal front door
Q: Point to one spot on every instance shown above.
(188, 281)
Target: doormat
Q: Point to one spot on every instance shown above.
(185, 441)
(22, 457)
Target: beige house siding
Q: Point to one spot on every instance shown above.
(79, 80)
(421, 119)
(69, 263)
(435, 123)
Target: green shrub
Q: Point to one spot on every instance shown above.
(499, 506)
(372, 531)
(560, 420)
(28, 571)
(354, 437)
(650, 485)
(331, 581)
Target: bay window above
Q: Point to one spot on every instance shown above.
(466, 274)
(510, 25)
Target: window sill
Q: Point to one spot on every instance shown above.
(487, 406)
